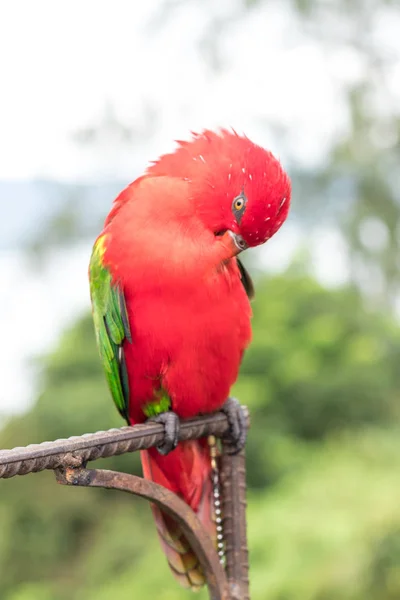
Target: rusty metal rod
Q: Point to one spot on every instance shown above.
(233, 495)
(195, 533)
(66, 456)
(77, 450)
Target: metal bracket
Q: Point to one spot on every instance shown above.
(68, 458)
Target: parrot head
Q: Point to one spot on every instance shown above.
(238, 188)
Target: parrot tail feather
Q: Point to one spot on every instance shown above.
(186, 471)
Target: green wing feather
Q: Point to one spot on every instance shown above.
(111, 325)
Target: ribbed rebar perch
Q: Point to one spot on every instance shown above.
(76, 450)
(68, 458)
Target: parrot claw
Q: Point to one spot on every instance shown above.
(171, 423)
(237, 425)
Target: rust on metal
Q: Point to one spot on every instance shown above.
(233, 495)
(170, 503)
(91, 446)
(68, 458)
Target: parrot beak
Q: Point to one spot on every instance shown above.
(234, 242)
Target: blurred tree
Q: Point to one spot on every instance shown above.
(384, 574)
(322, 385)
(319, 362)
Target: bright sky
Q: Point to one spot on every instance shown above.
(62, 63)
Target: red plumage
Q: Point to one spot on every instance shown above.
(188, 311)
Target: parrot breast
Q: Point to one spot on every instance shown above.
(189, 317)
(189, 342)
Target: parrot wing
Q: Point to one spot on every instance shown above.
(246, 280)
(111, 325)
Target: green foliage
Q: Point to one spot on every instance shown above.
(319, 362)
(324, 519)
(324, 529)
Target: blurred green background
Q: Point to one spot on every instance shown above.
(321, 378)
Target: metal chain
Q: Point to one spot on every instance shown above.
(214, 453)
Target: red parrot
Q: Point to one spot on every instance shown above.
(171, 304)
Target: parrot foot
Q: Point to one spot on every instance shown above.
(172, 424)
(237, 425)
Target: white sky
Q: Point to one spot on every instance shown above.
(35, 307)
(61, 63)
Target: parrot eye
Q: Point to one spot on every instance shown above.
(239, 202)
(238, 206)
